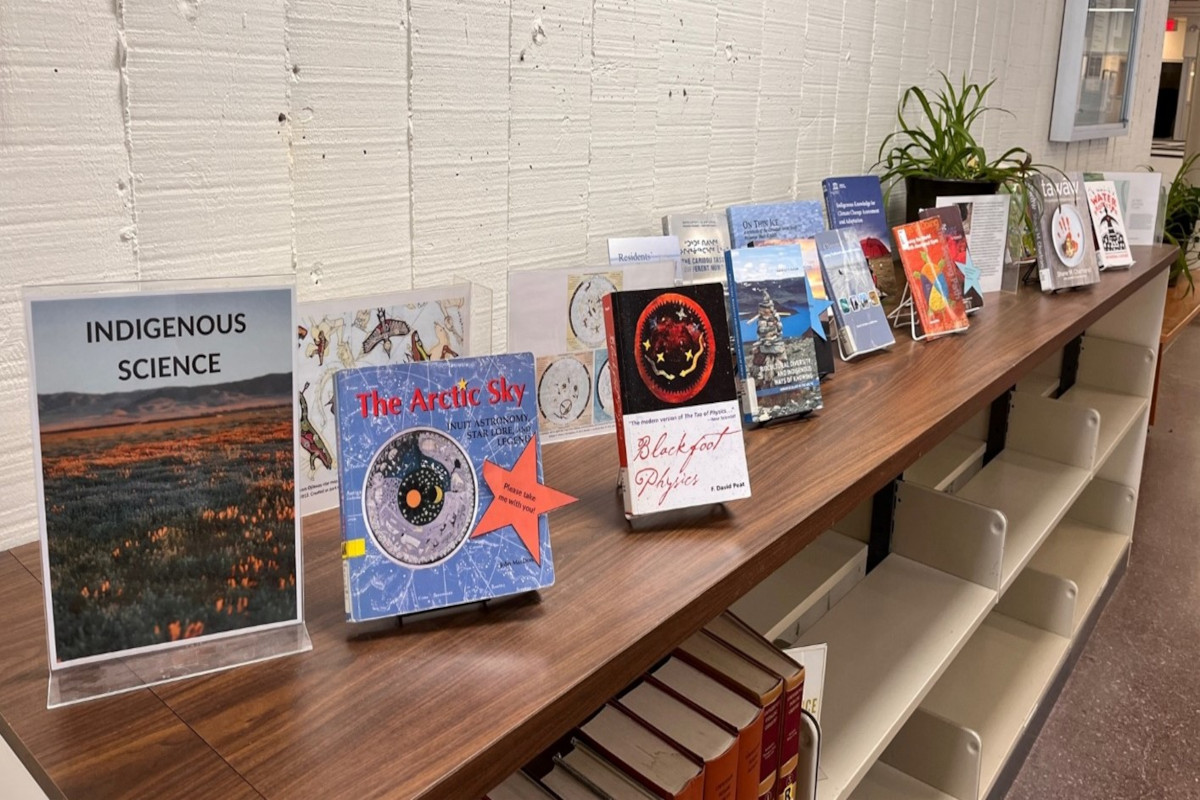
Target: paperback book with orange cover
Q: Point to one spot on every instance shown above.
(924, 256)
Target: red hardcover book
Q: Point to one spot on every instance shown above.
(924, 256)
(763, 688)
(747, 641)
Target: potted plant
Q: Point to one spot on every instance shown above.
(1181, 215)
(939, 155)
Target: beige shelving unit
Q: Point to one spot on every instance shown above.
(940, 658)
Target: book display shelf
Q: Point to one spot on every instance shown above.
(998, 552)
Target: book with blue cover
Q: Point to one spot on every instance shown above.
(765, 224)
(862, 325)
(855, 203)
(773, 330)
(435, 459)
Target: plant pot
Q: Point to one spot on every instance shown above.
(924, 192)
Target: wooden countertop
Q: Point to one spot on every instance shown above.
(448, 707)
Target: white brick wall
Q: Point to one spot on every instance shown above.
(382, 144)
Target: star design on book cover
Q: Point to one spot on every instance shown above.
(519, 498)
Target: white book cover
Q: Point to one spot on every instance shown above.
(558, 315)
(703, 240)
(1112, 242)
(396, 328)
(985, 222)
(1139, 195)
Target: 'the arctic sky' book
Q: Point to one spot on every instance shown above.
(773, 332)
(679, 431)
(440, 482)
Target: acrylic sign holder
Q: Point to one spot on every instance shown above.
(139, 667)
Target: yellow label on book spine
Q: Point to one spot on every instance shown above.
(355, 548)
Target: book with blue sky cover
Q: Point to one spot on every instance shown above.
(440, 484)
(763, 224)
(777, 360)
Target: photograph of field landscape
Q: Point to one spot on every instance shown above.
(169, 509)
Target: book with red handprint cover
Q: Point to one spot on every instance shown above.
(1062, 231)
(924, 256)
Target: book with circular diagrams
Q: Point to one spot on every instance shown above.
(413, 439)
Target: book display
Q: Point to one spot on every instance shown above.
(1062, 228)
(954, 236)
(703, 240)
(935, 292)
(426, 325)
(679, 432)
(774, 328)
(448, 438)
(855, 204)
(861, 323)
(442, 499)
(1112, 242)
(1142, 199)
(166, 448)
(985, 224)
(560, 319)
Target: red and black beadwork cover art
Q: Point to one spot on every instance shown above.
(673, 347)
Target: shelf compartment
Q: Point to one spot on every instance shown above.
(1118, 414)
(1042, 470)
(791, 591)
(884, 782)
(892, 636)
(947, 463)
(1043, 380)
(1089, 544)
(995, 685)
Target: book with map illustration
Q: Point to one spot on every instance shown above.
(398, 328)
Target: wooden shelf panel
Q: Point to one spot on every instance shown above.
(534, 667)
(887, 783)
(946, 462)
(889, 640)
(1034, 494)
(995, 685)
(789, 592)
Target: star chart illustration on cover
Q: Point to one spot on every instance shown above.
(165, 453)
(777, 361)
(442, 501)
(560, 319)
(679, 431)
(424, 325)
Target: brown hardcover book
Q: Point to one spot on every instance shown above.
(518, 786)
(599, 773)
(756, 684)
(710, 697)
(689, 731)
(753, 646)
(566, 785)
(643, 755)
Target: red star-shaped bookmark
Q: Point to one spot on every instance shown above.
(518, 499)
